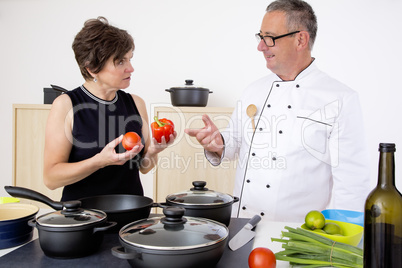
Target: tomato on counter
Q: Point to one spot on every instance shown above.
(261, 258)
(130, 139)
(162, 128)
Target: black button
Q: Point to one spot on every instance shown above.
(274, 158)
(260, 128)
(253, 154)
(297, 86)
(269, 105)
(277, 85)
(289, 106)
(280, 132)
(244, 208)
(248, 181)
(268, 186)
(262, 213)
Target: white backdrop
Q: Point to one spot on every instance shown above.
(209, 41)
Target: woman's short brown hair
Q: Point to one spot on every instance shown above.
(97, 42)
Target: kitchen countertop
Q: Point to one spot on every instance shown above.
(265, 230)
(33, 255)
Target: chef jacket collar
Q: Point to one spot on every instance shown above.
(304, 73)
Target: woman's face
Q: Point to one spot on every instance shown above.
(116, 74)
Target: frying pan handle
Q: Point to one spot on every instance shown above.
(119, 252)
(59, 88)
(160, 205)
(155, 205)
(106, 227)
(33, 195)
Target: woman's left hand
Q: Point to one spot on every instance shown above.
(156, 147)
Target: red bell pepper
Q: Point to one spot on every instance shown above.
(162, 128)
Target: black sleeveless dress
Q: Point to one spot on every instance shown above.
(96, 123)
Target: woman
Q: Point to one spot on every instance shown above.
(86, 125)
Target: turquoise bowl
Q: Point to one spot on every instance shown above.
(349, 216)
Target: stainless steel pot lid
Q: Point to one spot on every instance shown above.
(173, 232)
(199, 195)
(71, 216)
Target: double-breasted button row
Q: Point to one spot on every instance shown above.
(280, 131)
(268, 186)
(289, 106)
(244, 208)
(297, 85)
(254, 154)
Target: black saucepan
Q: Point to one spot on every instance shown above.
(69, 232)
(199, 201)
(172, 241)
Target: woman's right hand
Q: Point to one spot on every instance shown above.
(108, 155)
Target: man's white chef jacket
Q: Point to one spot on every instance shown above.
(308, 150)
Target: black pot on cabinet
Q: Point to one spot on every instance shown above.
(189, 95)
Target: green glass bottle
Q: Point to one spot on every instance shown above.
(383, 216)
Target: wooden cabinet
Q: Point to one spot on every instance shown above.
(29, 123)
(178, 166)
(184, 161)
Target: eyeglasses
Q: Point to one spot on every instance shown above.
(270, 40)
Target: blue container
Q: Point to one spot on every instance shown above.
(14, 228)
(350, 216)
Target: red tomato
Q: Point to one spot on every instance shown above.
(130, 139)
(261, 258)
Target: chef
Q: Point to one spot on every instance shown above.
(303, 147)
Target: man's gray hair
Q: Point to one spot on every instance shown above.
(300, 16)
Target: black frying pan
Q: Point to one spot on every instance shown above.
(119, 208)
(58, 88)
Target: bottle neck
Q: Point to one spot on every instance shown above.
(386, 170)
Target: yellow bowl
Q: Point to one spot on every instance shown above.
(4, 200)
(352, 233)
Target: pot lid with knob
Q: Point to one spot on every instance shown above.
(173, 232)
(67, 214)
(199, 195)
(71, 216)
(189, 84)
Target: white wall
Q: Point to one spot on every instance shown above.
(210, 41)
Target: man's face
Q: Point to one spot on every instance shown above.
(281, 57)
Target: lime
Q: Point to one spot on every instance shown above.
(332, 228)
(321, 231)
(315, 220)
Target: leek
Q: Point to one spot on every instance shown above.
(306, 249)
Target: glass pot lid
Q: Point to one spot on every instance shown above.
(173, 231)
(199, 195)
(71, 216)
